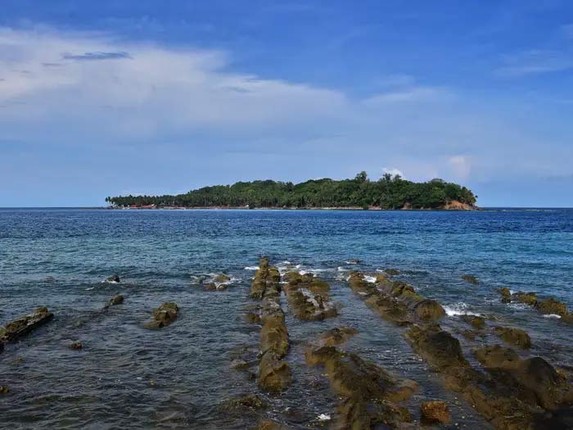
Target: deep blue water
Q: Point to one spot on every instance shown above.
(59, 257)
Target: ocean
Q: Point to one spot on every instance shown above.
(181, 376)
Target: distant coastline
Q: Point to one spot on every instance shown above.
(387, 193)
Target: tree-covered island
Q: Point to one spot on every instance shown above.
(389, 192)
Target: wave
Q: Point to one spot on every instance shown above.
(458, 309)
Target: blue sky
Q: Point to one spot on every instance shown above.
(112, 97)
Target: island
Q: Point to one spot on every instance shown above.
(390, 192)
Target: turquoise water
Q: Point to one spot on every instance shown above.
(177, 377)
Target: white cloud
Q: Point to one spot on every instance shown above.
(143, 89)
(393, 171)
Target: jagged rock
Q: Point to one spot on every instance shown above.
(77, 345)
(475, 321)
(470, 279)
(116, 300)
(163, 315)
(113, 279)
(24, 325)
(435, 412)
(308, 297)
(514, 336)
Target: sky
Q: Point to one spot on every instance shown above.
(151, 97)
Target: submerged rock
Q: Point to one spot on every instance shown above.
(77, 345)
(24, 325)
(244, 403)
(435, 412)
(163, 315)
(116, 300)
(392, 272)
(470, 279)
(515, 336)
(4, 389)
(270, 425)
(113, 279)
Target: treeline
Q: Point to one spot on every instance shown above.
(389, 192)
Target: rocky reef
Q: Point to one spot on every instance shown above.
(274, 372)
(548, 306)
(308, 297)
(20, 327)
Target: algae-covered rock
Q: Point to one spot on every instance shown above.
(438, 347)
(470, 279)
(270, 425)
(368, 393)
(429, 310)
(514, 336)
(163, 315)
(4, 389)
(116, 300)
(247, 402)
(505, 295)
(525, 298)
(475, 321)
(336, 336)
(252, 318)
(551, 306)
(435, 412)
(274, 373)
(24, 325)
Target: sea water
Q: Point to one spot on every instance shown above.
(179, 377)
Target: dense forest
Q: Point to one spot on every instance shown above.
(389, 192)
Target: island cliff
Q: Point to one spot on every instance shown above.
(389, 192)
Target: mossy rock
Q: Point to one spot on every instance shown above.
(247, 402)
(514, 336)
(429, 310)
(163, 316)
(551, 306)
(505, 294)
(435, 412)
(475, 321)
(525, 298)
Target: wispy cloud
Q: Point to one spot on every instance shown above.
(534, 62)
(96, 56)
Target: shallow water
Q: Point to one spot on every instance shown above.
(177, 377)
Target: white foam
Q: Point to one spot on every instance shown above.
(323, 417)
(551, 316)
(253, 268)
(371, 279)
(459, 309)
(342, 269)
